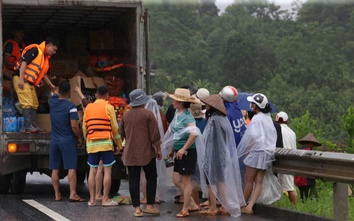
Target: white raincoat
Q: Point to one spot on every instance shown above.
(258, 144)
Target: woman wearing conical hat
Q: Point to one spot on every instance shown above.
(307, 186)
(220, 173)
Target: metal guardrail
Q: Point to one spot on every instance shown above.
(328, 166)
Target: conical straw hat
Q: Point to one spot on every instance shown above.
(215, 101)
(310, 138)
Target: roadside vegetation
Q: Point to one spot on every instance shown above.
(302, 60)
(323, 206)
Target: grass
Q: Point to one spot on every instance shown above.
(323, 206)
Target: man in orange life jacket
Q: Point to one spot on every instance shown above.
(30, 70)
(12, 50)
(100, 129)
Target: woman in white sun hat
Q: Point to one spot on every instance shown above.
(258, 145)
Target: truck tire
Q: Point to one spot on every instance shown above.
(18, 182)
(80, 176)
(116, 176)
(115, 185)
(5, 181)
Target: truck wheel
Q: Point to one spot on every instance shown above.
(5, 181)
(80, 176)
(115, 185)
(18, 182)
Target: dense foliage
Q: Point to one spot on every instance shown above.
(303, 62)
(323, 206)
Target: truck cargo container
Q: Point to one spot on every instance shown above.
(99, 39)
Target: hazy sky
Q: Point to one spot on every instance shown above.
(222, 4)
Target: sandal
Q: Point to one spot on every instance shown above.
(182, 214)
(77, 200)
(138, 214)
(223, 212)
(194, 210)
(204, 204)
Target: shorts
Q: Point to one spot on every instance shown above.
(259, 160)
(187, 165)
(107, 157)
(63, 153)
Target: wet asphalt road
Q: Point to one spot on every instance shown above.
(37, 203)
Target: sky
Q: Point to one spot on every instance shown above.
(222, 4)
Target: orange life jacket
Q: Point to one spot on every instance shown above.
(98, 123)
(35, 70)
(16, 52)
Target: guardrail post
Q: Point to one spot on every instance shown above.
(340, 201)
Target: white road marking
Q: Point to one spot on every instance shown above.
(54, 215)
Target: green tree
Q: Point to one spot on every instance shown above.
(348, 126)
(304, 64)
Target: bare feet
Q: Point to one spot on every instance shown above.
(209, 212)
(206, 203)
(99, 198)
(76, 198)
(193, 209)
(144, 201)
(246, 210)
(58, 197)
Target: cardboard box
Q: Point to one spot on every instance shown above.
(43, 121)
(89, 82)
(63, 68)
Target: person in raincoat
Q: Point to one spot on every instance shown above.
(258, 145)
(220, 173)
(183, 132)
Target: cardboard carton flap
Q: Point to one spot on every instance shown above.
(88, 82)
(98, 81)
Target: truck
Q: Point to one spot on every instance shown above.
(98, 38)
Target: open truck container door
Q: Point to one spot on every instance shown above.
(87, 30)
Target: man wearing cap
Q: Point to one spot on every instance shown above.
(140, 130)
(100, 129)
(289, 142)
(307, 186)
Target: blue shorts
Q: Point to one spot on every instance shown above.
(107, 158)
(63, 153)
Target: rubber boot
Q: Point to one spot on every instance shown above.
(28, 121)
(18, 107)
(34, 120)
